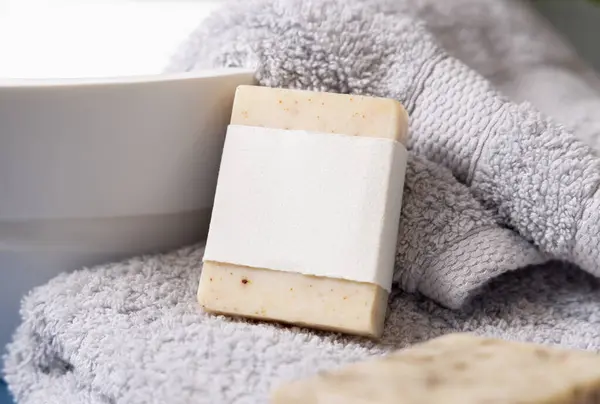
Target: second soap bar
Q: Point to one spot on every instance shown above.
(283, 294)
(456, 369)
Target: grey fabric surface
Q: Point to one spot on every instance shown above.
(495, 193)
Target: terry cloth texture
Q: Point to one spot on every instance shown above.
(502, 183)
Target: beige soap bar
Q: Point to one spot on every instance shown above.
(288, 297)
(457, 369)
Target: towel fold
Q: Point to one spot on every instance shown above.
(500, 229)
(448, 245)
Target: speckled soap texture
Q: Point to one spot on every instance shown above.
(306, 298)
(457, 369)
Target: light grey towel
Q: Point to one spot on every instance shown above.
(132, 332)
(503, 152)
(532, 64)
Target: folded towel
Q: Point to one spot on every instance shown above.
(505, 153)
(492, 186)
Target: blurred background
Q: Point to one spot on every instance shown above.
(62, 38)
(579, 21)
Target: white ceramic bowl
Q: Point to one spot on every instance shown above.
(98, 170)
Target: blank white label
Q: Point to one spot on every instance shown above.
(314, 203)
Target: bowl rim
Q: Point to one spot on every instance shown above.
(12, 83)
